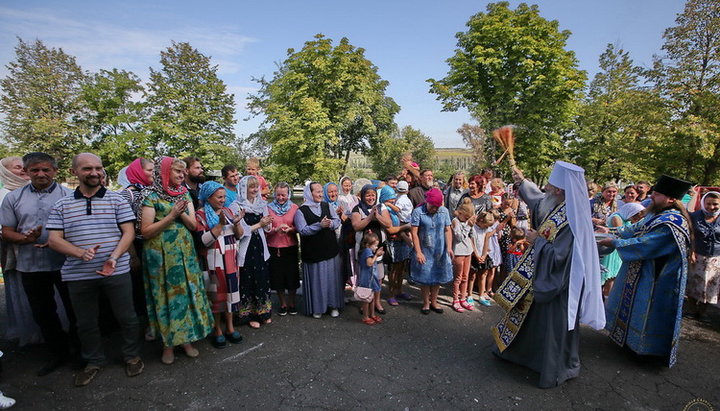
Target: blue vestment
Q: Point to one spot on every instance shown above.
(644, 309)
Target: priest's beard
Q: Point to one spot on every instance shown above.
(547, 204)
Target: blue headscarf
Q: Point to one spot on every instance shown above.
(207, 189)
(388, 193)
(333, 204)
(281, 209)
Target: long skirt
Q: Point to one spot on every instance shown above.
(323, 286)
(703, 283)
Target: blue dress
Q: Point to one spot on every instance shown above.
(431, 233)
(368, 275)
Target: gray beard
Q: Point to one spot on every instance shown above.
(547, 204)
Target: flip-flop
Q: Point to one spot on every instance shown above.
(392, 301)
(254, 324)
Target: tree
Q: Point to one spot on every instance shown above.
(385, 155)
(322, 103)
(475, 138)
(41, 102)
(190, 111)
(688, 77)
(618, 123)
(115, 119)
(511, 67)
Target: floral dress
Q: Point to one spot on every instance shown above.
(177, 304)
(255, 303)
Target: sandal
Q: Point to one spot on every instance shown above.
(254, 324)
(393, 302)
(457, 307)
(377, 319)
(466, 306)
(368, 321)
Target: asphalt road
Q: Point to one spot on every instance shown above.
(411, 361)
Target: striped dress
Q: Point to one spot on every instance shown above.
(218, 261)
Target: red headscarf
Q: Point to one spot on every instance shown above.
(161, 181)
(136, 174)
(434, 197)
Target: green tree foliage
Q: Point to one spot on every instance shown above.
(619, 123)
(190, 110)
(511, 67)
(115, 117)
(476, 139)
(41, 102)
(322, 103)
(385, 155)
(688, 77)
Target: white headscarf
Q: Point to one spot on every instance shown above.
(122, 178)
(309, 202)
(585, 266)
(8, 179)
(628, 210)
(702, 204)
(257, 205)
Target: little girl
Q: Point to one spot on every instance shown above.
(463, 248)
(487, 254)
(518, 245)
(367, 260)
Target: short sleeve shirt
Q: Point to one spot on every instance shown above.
(87, 222)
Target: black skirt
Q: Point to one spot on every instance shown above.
(284, 268)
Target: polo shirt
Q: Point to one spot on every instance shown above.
(27, 208)
(87, 222)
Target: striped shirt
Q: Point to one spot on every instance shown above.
(87, 222)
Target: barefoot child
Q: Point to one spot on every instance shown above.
(463, 248)
(367, 260)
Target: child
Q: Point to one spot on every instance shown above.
(463, 249)
(487, 254)
(367, 259)
(497, 189)
(518, 245)
(252, 168)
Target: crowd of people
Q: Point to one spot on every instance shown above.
(184, 258)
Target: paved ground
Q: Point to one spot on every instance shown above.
(440, 361)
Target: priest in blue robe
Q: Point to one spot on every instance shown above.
(644, 309)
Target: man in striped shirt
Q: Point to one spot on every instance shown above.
(94, 227)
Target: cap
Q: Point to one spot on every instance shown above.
(403, 187)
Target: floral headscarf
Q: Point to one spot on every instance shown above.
(257, 205)
(161, 181)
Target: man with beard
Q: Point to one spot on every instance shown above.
(194, 177)
(417, 193)
(644, 308)
(642, 188)
(94, 227)
(556, 284)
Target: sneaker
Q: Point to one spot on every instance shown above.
(317, 316)
(485, 302)
(282, 311)
(292, 310)
(84, 377)
(134, 367)
(6, 402)
(334, 313)
(457, 307)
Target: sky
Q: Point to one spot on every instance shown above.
(407, 40)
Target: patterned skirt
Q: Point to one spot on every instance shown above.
(703, 282)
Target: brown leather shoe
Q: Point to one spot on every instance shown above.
(134, 367)
(84, 377)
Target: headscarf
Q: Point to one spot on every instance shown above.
(434, 197)
(326, 198)
(585, 263)
(8, 179)
(628, 210)
(207, 189)
(347, 200)
(342, 180)
(257, 205)
(362, 204)
(122, 178)
(281, 209)
(702, 205)
(309, 202)
(136, 174)
(387, 193)
(161, 181)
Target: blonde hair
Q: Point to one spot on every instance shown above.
(252, 181)
(178, 164)
(252, 161)
(486, 217)
(497, 183)
(466, 209)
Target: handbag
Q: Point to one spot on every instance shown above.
(363, 294)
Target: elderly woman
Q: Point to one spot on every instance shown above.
(322, 281)
(330, 196)
(283, 245)
(253, 254)
(432, 241)
(480, 200)
(177, 305)
(219, 230)
(370, 215)
(703, 284)
(20, 325)
(604, 205)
